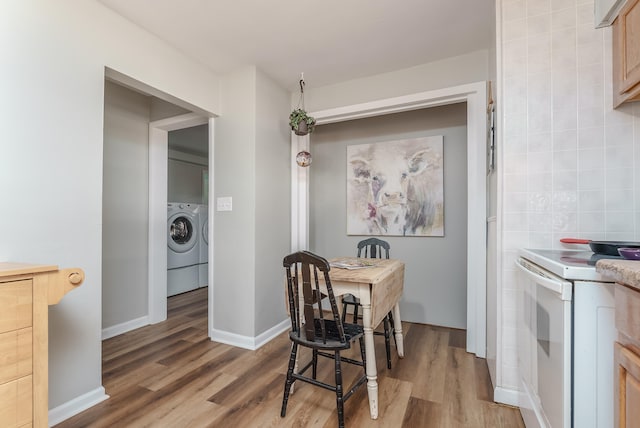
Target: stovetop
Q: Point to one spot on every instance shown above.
(568, 264)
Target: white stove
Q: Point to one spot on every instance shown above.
(568, 264)
(565, 340)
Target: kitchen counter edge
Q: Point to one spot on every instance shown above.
(622, 271)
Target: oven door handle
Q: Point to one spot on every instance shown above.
(540, 277)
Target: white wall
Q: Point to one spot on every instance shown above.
(235, 177)
(569, 161)
(435, 287)
(273, 201)
(185, 181)
(188, 162)
(125, 203)
(161, 109)
(454, 71)
(54, 56)
(252, 239)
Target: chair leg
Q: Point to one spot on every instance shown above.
(387, 342)
(393, 327)
(314, 366)
(339, 399)
(289, 381)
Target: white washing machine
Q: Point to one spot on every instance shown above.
(203, 272)
(183, 252)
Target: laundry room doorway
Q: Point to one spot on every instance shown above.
(187, 209)
(171, 155)
(137, 122)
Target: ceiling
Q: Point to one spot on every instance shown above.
(330, 41)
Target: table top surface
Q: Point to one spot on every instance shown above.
(371, 274)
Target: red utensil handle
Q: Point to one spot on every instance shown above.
(574, 241)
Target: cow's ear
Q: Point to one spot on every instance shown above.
(420, 161)
(361, 170)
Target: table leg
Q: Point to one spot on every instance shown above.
(398, 328)
(372, 372)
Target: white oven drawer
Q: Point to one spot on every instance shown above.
(544, 346)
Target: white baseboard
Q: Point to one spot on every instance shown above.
(248, 342)
(506, 396)
(271, 333)
(77, 405)
(116, 330)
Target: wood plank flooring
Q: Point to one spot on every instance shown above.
(171, 375)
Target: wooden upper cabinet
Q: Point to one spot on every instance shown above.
(626, 54)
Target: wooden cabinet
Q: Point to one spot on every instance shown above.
(26, 291)
(628, 367)
(626, 54)
(627, 357)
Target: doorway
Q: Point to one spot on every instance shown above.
(475, 95)
(135, 204)
(187, 209)
(158, 199)
(435, 290)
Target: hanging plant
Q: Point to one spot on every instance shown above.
(301, 123)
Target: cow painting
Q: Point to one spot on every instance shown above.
(396, 188)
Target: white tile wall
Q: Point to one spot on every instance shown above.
(570, 163)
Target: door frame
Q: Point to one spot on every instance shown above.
(475, 95)
(158, 179)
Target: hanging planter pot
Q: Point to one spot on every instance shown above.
(301, 123)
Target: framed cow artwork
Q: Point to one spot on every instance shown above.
(396, 188)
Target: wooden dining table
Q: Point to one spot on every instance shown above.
(379, 288)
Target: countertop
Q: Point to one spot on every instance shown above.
(622, 271)
(11, 269)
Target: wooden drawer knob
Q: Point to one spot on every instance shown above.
(75, 278)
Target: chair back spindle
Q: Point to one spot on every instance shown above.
(373, 248)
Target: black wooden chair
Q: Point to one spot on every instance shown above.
(325, 334)
(372, 248)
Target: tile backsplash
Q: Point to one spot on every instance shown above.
(570, 162)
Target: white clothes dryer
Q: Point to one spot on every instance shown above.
(183, 252)
(183, 229)
(203, 213)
